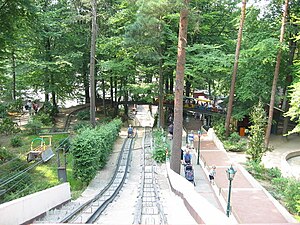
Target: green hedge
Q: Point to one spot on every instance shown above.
(92, 147)
(160, 146)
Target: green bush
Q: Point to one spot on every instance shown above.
(83, 115)
(256, 169)
(239, 146)
(274, 173)
(33, 127)
(160, 146)
(16, 141)
(5, 155)
(7, 126)
(3, 110)
(50, 109)
(234, 137)
(15, 106)
(219, 129)
(288, 190)
(81, 125)
(91, 149)
(43, 118)
(257, 146)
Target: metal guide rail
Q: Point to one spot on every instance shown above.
(89, 211)
(149, 209)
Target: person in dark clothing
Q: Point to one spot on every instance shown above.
(171, 128)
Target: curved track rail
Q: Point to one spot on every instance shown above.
(89, 211)
(149, 208)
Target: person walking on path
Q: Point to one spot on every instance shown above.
(35, 107)
(212, 174)
(28, 106)
(191, 139)
(187, 157)
(130, 131)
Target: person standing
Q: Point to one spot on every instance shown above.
(130, 131)
(28, 106)
(191, 139)
(35, 107)
(187, 157)
(212, 174)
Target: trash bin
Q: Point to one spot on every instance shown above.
(242, 131)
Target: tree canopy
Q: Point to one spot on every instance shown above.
(45, 47)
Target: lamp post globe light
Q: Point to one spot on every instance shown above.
(230, 175)
(199, 136)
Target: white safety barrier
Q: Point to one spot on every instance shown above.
(201, 210)
(25, 209)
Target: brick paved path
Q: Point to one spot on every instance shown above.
(250, 202)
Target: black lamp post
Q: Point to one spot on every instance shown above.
(230, 175)
(199, 135)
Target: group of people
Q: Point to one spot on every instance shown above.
(31, 107)
(186, 159)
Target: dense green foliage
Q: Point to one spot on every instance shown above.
(284, 189)
(257, 146)
(161, 147)
(91, 148)
(7, 126)
(16, 141)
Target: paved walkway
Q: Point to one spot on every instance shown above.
(250, 202)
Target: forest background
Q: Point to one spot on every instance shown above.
(45, 47)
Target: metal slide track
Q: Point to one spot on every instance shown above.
(149, 209)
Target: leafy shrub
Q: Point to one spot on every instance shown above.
(16, 141)
(83, 115)
(5, 155)
(81, 125)
(159, 154)
(274, 173)
(43, 118)
(50, 109)
(7, 126)
(33, 127)
(15, 106)
(258, 119)
(160, 146)
(219, 129)
(234, 137)
(3, 110)
(288, 190)
(239, 146)
(256, 169)
(91, 149)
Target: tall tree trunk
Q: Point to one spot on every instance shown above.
(161, 95)
(188, 86)
(111, 92)
(13, 58)
(92, 64)
(276, 74)
(286, 105)
(178, 103)
(53, 93)
(116, 97)
(171, 82)
(235, 68)
(103, 96)
(47, 76)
